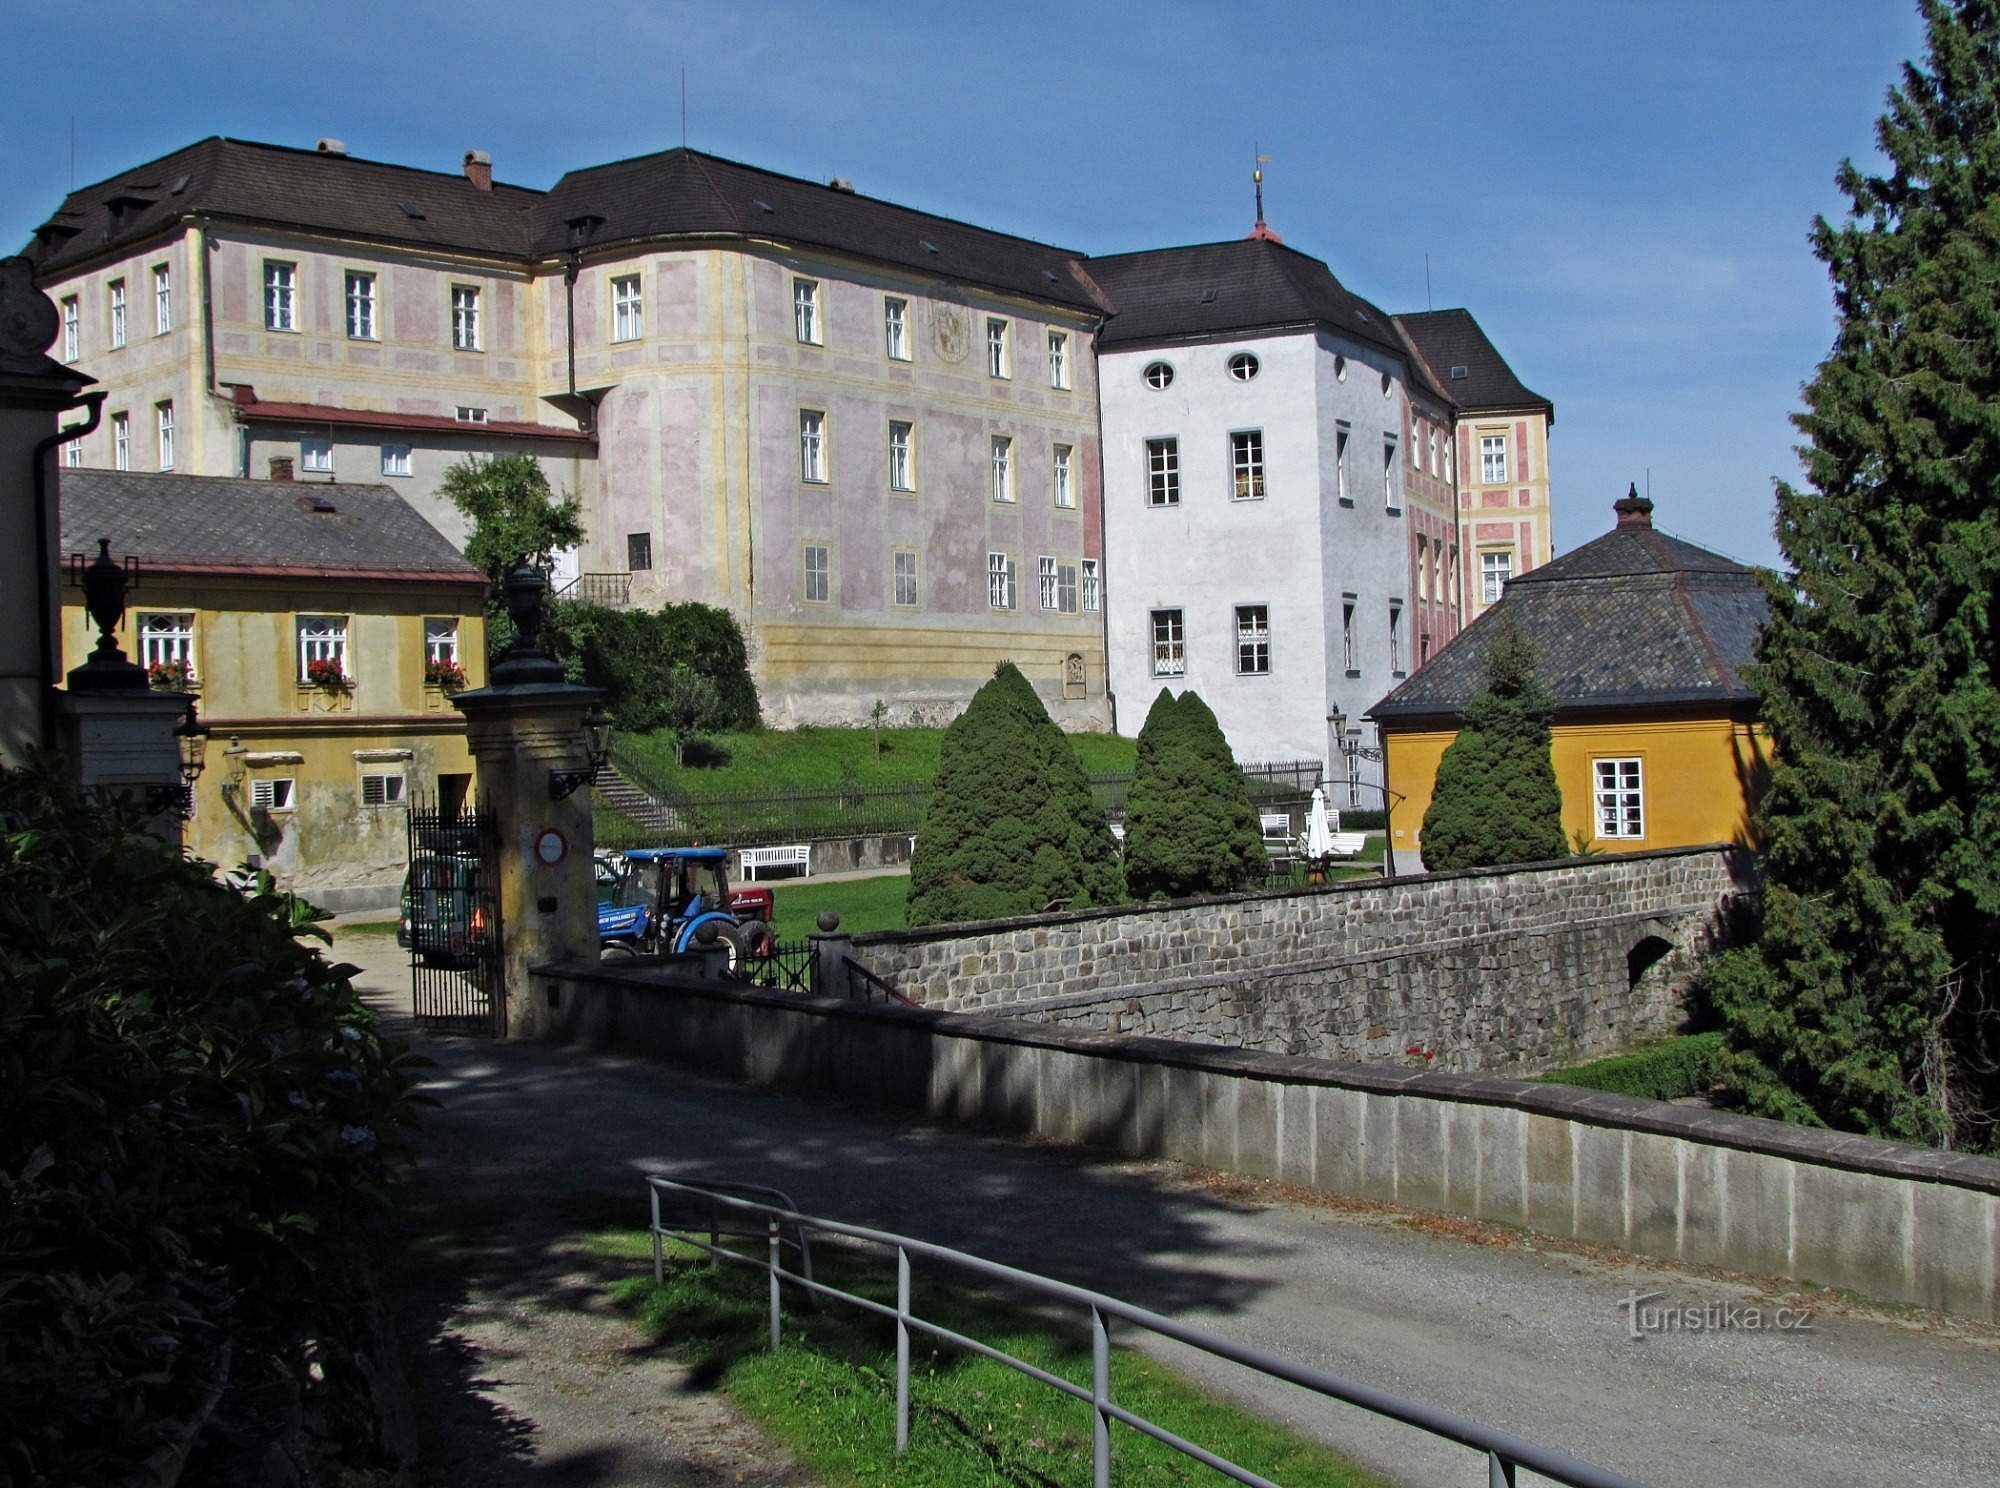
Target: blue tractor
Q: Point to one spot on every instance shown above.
(659, 898)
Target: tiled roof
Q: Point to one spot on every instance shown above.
(674, 194)
(683, 193)
(220, 523)
(242, 181)
(263, 411)
(1465, 364)
(1214, 289)
(1632, 619)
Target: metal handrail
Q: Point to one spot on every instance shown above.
(1505, 1453)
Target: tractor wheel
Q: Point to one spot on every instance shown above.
(618, 952)
(758, 939)
(738, 943)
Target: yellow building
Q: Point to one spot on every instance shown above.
(1642, 639)
(322, 629)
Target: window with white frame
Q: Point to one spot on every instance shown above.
(1169, 644)
(281, 295)
(1423, 569)
(1621, 810)
(121, 441)
(1092, 595)
(902, 456)
(167, 640)
(395, 459)
(1000, 581)
(273, 793)
(896, 328)
(1349, 657)
(1396, 637)
(1059, 359)
(1066, 588)
(467, 414)
(322, 639)
(383, 790)
(1389, 472)
(1045, 571)
(1242, 367)
(805, 310)
(116, 291)
(1059, 476)
(999, 363)
(1253, 640)
(441, 638)
(903, 577)
(163, 419)
(316, 456)
(628, 308)
(1246, 464)
(1493, 459)
(1452, 570)
(1003, 468)
(1436, 467)
(72, 456)
(1341, 489)
(1163, 472)
(638, 552)
(812, 446)
(163, 299)
(72, 324)
(465, 335)
(1158, 375)
(819, 573)
(360, 298)
(1495, 569)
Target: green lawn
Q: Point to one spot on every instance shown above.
(823, 758)
(829, 1392)
(863, 904)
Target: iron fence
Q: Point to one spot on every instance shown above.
(449, 919)
(1501, 1452)
(787, 969)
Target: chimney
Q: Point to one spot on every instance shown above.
(479, 169)
(842, 185)
(1633, 509)
(281, 467)
(328, 145)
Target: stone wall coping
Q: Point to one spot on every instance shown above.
(967, 929)
(1589, 1107)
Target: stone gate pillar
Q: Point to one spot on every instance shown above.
(526, 732)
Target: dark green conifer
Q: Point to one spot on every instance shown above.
(1012, 825)
(1189, 825)
(1496, 799)
(1869, 1002)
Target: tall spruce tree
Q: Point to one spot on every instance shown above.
(1012, 824)
(1496, 799)
(1869, 1002)
(1189, 825)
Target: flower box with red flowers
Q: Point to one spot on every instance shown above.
(170, 676)
(442, 672)
(326, 673)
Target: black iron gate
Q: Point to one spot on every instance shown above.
(452, 922)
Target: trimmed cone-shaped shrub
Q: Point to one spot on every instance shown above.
(1189, 825)
(1012, 825)
(1496, 799)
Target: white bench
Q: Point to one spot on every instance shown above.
(797, 855)
(1349, 844)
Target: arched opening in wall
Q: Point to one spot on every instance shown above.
(1643, 957)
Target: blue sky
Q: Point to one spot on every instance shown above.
(1620, 192)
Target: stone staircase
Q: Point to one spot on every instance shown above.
(621, 795)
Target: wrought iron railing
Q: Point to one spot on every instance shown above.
(1502, 1452)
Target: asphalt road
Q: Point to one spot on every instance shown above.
(1533, 1338)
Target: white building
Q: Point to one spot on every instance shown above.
(1258, 536)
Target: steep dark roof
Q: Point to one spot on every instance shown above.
(1632, 619)
(222, 524)
(1214, 289)
(243, 181)
(674, 194)
(1466, 365)
(683, 193)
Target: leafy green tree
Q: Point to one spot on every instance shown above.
(691, 707)
(1012, 825)
(514, 514)
(1189, 825)
(683, 668)
(1868, 1003)
(1496, 799)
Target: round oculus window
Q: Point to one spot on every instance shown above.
(1243, 366)
(1158, 374)
(1340, 369)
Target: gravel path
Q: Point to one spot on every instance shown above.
(1524, 1334)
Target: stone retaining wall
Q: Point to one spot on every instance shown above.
(1695, 1186)
(1520, 969)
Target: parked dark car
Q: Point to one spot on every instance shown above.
(443, 918)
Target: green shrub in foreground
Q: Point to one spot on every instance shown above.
(196, 1122)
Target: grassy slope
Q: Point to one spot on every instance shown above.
(862, 903)
(821, 758)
